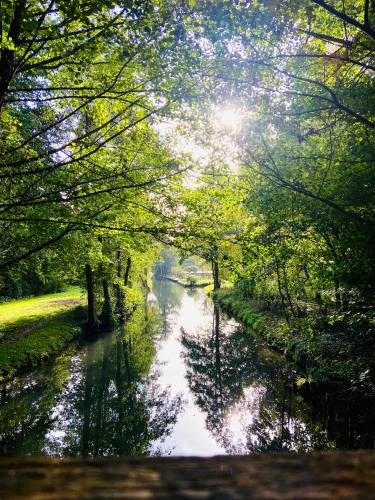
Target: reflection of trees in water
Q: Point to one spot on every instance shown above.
(99, 401)
(24, 408)
(228, 374)
(110, 409)
(282, 422)
(347, 415)
(331, 420)
(219, 365)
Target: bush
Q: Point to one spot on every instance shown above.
(230, 302)
(327, 348)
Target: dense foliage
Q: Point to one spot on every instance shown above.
(284, 205)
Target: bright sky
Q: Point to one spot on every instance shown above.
(225, 121)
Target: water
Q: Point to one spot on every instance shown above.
(179, 379)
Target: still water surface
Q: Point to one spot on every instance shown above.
(179, 379)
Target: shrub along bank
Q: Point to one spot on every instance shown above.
(334, 347)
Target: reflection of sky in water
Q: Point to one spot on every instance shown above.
(63, 413)
(194, 434)
(190, 435)
(237, 396)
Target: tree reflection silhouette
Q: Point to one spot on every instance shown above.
(98, 401)
(102, 399)
(232, 376)
(25, 405)
(113, 409)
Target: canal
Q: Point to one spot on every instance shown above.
(179, 379)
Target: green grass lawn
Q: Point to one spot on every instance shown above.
(22, 314)
(42, 342)
(32, 329)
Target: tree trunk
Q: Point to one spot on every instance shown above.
(8, 55)
(345, 300)
(127, 272)
(289, 298)
(144, 281)
(215, 274)
(107, 318)
(120, 306)
(337, 295)
(92, 319)
(280, 290)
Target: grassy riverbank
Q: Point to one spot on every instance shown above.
(32, 329)
(234, 305)
(331, 347)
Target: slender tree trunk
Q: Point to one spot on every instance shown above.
(318, 298)
(287, 292)
(92, 319)
(345, 301)
(215, 274)
(107, 318)
(144, 281)
(280, 290)
(127, 272)
(120, 306)
(337, 295)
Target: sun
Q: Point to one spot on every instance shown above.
(227, 118)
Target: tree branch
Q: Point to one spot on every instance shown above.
(344, 17)
(38, 248)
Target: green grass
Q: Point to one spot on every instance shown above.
(22, 314)
(41, 342)
(224, 285)
(33, 329)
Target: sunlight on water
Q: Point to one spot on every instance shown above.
(190, 435)
(180, 378)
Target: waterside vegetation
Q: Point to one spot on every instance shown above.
(328, 349)
(241, 133)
